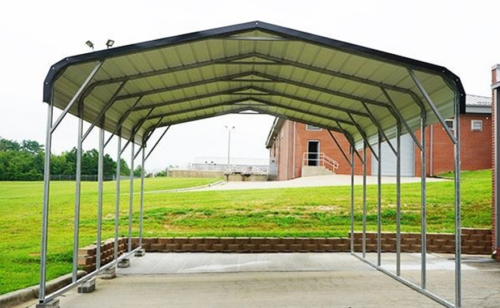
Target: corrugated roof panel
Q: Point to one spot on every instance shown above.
(174, 74)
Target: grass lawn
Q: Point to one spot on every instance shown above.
(305, 212)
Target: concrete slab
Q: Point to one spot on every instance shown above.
(285, 280)
(313, 181)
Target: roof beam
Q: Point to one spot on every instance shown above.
(192, 98)
(334, 128)
(206, 116)
(312, 102)
(263, 75)
(249, 99)
(340, 75)
(187, 85)
(174, 69)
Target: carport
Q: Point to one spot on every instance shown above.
(370, 96)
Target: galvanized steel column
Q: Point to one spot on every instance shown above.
(458, 222)
(78, 179)
(423, 239)
(496, 188)
(117, 197)
(45, 210)
(141, 212)
(364, 199)
(100, 175)
(352, 199)
(398, 200)
(131, 197)
(379, 201)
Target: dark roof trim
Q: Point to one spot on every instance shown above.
(60, 66)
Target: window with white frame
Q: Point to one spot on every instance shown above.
(476, 125)
(450, 123)
(312, 127)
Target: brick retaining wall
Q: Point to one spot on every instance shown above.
(474, 241)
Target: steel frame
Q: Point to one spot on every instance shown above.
(496, 176)
(51, 128)
(422, 288)
(86, 88)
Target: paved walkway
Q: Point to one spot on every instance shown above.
(284, 280)
(313, 181)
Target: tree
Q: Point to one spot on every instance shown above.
(25, 161)
(138, 171)
(124, 169)
(9, 145)
(31, 146)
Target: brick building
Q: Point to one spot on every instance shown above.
(298, 150)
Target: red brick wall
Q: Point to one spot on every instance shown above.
(296, 133)
(475, 148)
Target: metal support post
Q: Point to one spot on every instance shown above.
(398, 200)
(458, 218)
(352, 199)
(131, 197)
(46, 190)
(364, 198)
(117, 199)
(423, 187)
(496, 179)
(78, 181)
(100, 175)
(141, 211)
(379, 201)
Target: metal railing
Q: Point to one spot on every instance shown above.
(319, 159)
(247, 169)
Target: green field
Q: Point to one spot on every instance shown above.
(305, 212)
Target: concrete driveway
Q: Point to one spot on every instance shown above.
(313, 181)
(285, 280)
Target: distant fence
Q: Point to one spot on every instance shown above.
(86, 177)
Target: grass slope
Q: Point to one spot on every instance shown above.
(305, 212)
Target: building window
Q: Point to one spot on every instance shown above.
(476, 125)
(312, 127)
(450, 123)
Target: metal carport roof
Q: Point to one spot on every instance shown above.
(367, 95)
(252, 66)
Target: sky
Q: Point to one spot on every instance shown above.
(460, 35)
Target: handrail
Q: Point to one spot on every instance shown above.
(321, 159)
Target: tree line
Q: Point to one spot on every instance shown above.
(24, 161)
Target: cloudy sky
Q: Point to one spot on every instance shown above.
(35, 34)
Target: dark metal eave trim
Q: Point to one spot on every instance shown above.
(60, 66)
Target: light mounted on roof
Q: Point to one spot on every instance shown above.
(90, 44)
(110, 43)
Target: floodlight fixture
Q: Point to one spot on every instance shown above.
(110, 43)
(90, 44)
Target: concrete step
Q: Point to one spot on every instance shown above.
(315, 171)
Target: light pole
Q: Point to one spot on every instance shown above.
(229, 129)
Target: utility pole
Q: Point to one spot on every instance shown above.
(229, 129)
